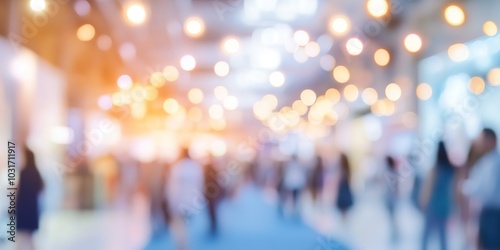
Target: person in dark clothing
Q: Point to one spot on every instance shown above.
(344, 195)
(213, 193)
(317, 178)
(27, 213)
(483, 187)
(391, 196)
(437, 199)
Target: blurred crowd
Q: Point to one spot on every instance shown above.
(187, 187)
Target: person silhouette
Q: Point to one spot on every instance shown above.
(437, 198)
(344, 196)
(30, 186)
(483, 186)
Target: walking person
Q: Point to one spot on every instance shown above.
(391, 196)
(483, 187)
(213, 193)
(317, 179)
(437, 198)
(27, 213)
(183, 187)
(294, 180)
(345, 198)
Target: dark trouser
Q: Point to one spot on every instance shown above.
(213, 216)
(489, 229)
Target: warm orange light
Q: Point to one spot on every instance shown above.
(454, 15)
(341, 74)
(136, 13)
(194, 27)
(424, 91)
(413, 43)
(382, 57)
(86, 32)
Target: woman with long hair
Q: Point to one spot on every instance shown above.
(344, 196)
(437, 198)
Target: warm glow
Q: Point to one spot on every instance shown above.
(308, 97)
(413, 43)
(136, 13)
(341, 74)
(261, 110)
(424, 91)
(339, 25)
(490, 28)
(458, 52)
(150, 93)
(85, 33)
(494, 76)
(124, 82)
(354, 46)
(454, 15)
(369, 96)
(195, 96)
(377, 8)
(299, 107)
(157, 79)
(477, 85)
(195, 114)
(194, 27)
(221, 68)
(301, 37)
(351, 93)
(218, 124)
(271, 101)
(218, 148)
(231, 102)
(231, 45)
(220, 93)
(383, 107)
(188, 63)
(333, 95)
(393, 92)
(171, 73)
(382, 57)
(38, 5)
(171, 106)
(277, 79)
(216, 112)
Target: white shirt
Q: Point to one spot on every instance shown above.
(295, 175)
(184, 187)
(483, 184)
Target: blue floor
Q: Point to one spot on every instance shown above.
(248, 222)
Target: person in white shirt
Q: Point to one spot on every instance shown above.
(294, 179)
(184, 193)
(483, 187)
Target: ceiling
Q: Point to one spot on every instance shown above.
(161, 41)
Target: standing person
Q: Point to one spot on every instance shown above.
(437, 198)
(183, 186)
(294, 180)
(344, 193)
(30, 186)
(467, 214)
(391, 195)
(483, 187)
(213, 192)
(317, 178)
